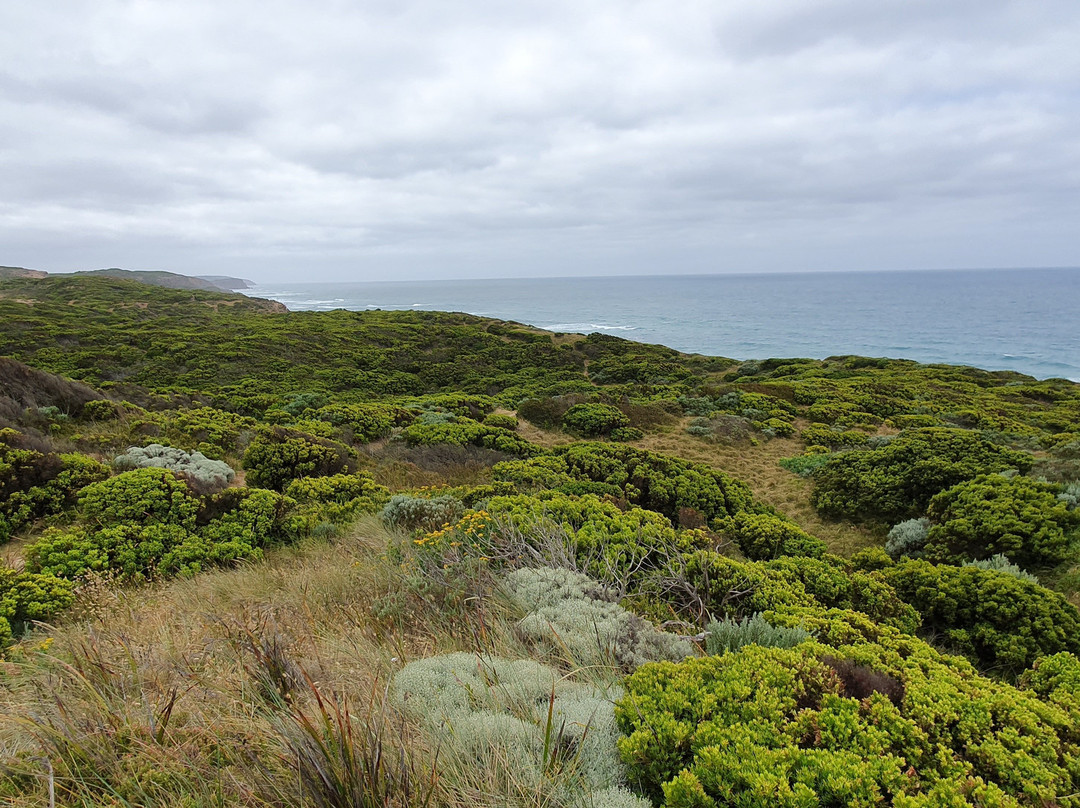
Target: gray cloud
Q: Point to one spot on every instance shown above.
(423, 138)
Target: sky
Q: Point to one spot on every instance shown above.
(416, 139)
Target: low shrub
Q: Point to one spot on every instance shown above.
(142, 497)
(204, 475)
(907, 538)
(27, 596)
(727, 635)
(897, 481)
(1018, 517)
(763, 536)
(277, 457)
(501, 421)
(466, 432)
(996, 619)
(805, 465)
(570, 616)
(815, 725)
(594, 420)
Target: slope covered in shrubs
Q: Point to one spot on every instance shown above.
(413, 558)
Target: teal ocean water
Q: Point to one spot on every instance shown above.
(1023, 320)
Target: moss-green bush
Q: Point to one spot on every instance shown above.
(649, 480)
(996, 619)
(1015, 516)
(594, 420)
(762, 536)
(466, 432)
(141, 496)
(868, 724)
(897, 481)
(276, 458)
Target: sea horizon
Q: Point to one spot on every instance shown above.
(1022, 320)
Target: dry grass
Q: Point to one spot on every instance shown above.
(221, 689)
(758, 466)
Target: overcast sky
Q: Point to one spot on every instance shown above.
(406, 139)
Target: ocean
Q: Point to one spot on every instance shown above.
(1023, 320)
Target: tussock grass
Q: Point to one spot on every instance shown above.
(260, 685)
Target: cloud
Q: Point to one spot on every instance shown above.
(422, 138)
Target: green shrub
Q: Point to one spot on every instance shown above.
(546, 413)
(646, 479)
(727, 635)
(897, 481)
(805, 465)
(604, 540)
(822, 435)
(465, 432)
(626, 434)
(717, 586)
(131, 551)
(366, 422)
(764, 536)
(996, 619)
(36, 484)
(501, 421)
(814, 725)
(1018, 517)
(594, 420)
(274, 459)
(141, 497)
(28, 596)
(341, 489)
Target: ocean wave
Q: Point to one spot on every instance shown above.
(584, 328)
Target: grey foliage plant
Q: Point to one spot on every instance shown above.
(406, 512)
(907, 538)
(728, 635)
(517, 725)
(1001, 563)
(575, 618)
(208, 475)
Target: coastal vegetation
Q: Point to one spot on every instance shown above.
(268, 558)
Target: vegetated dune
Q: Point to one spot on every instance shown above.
(267, 558)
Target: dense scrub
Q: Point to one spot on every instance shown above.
(519, 581)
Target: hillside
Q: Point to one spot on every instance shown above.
(271, 558)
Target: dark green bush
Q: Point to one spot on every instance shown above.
(276, 458)
(996, 619)
(466, 432)
(763, 536)
(27, 596)
(897, 481)
(646, 479)
(594, 420)
(35, 484)
(1018, 517)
